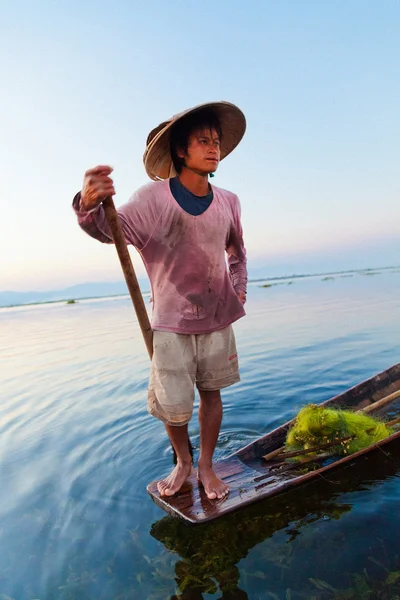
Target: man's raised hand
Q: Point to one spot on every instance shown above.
(97, 186)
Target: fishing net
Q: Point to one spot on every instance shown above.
(315, 426)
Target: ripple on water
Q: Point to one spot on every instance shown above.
(77, 449)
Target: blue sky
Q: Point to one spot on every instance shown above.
(317, 172)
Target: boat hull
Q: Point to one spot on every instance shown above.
(251, 478)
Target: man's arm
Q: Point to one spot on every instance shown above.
(97, 185)
(138, 216)
(93, 222)
(235, 248)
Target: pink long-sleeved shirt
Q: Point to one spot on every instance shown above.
(184, 255)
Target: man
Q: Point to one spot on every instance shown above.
(182, 226)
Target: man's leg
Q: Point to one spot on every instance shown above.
(180, 441)
(210, 418)
(171, 397)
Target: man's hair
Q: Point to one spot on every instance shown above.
(204, 118)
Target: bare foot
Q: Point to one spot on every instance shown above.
(173, 483)
(213, 486)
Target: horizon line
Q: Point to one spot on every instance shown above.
(147, 292)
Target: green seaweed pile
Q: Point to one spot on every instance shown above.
(316, 426)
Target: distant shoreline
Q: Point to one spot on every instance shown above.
(68, 300)
(324, 274)
(77, 299)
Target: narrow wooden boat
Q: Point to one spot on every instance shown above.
(251, 477)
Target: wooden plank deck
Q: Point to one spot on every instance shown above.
(250, 478)
(192, 504)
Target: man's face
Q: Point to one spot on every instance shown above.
(203, 153)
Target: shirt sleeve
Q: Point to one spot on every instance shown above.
(138, 219)
(237, 261)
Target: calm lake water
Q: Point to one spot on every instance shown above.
(77, 449)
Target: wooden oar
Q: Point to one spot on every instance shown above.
(129, 273)
(132, 283)
(380, 403)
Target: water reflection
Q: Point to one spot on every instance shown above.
(210, 553)
(77, 450)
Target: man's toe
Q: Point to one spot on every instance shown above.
(162, 485)
(223, 492)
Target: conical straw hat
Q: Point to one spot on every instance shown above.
(157, 157)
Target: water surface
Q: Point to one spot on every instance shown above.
(77, 449)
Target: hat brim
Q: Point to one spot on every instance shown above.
(157, 157)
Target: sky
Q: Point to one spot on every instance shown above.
(317, 173)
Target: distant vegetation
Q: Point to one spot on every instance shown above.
(268, 285)
(324, 276)
(369, 272)
(91, 291)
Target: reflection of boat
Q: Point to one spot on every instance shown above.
(211, 554)
(252, 478)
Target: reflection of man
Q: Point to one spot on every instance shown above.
(182, 228)
(203, 563)
(228, 584)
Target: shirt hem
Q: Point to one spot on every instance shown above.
(193, 330)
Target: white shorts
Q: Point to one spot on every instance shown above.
(181, 361)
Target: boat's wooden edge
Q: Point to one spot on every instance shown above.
(361, 395)
(238, 464)
(334, 465)
(191, 503)
(265, 492)
(164, 504)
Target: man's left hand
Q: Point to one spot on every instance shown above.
(242, 297)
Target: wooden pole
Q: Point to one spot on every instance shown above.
(380, 403)
(129, 273)
(133, 285)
